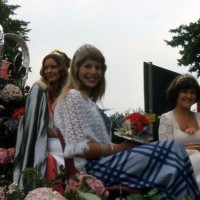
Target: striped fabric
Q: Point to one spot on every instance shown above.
(164, 165)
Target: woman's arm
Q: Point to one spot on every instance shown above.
(165, 131)
(97, 150)
(71, 118)
(192, 148)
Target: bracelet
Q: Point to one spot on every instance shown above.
(111, 149)
(103, 149)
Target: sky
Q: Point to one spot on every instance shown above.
(128, 33)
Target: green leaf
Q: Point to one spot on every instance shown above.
(157, 197)
(89, 196)
(153, 192)
(135, 197)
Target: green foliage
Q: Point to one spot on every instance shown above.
(72, 194)
(6, 175)
(188, 38)
(17, 195)
(32, 178)
(88, 196)
(153, 194)
(11, 25)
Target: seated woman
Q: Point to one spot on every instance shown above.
(182, 124)
(36, 135)
(164, 165)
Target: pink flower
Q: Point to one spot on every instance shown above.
(97, 186)
(11, 154)
(2, 194)
(84, 182)
(3, 156)
(190, 130)
(74, 185)
(6, 155)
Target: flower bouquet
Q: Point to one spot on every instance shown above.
(136, 127)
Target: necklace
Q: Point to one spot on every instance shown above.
(185, 122)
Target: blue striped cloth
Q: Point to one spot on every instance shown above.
(163, 164)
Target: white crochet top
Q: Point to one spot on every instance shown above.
(80, 121)
(169, 129)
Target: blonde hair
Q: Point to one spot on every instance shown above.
(84, 53)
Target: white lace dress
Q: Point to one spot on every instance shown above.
(80, 121)
(169, 129)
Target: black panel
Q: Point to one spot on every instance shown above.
(156, 81)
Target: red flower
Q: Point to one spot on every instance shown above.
(138, 121)
(138, 128)
(27, 88)
(137, 118)
(17, 114)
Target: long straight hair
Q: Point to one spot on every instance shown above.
(63, 71)
(84, 53)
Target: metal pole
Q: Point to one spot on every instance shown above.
(1, 43)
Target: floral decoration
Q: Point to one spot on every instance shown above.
(17, 113)
(80, 187)
(6, 155)
(84, 183)
(44, 194)
(134, 124)
(11, 93)
(12, 104)
(36, 187)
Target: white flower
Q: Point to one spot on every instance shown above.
(12, 187)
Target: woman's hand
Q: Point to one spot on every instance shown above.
(52, 133)
(126, 144)
(193, 148)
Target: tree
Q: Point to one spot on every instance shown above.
(10, 25)
(187, 37)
